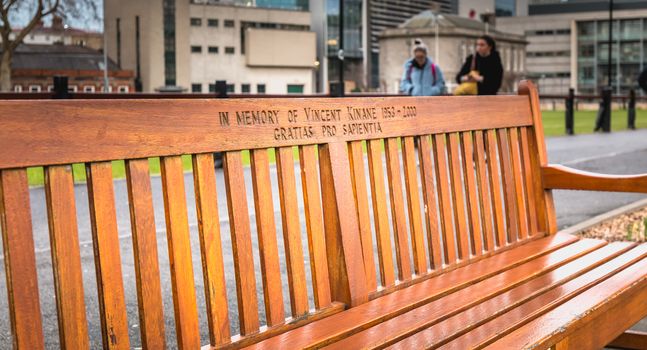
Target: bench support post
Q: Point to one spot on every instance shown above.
(343, 247)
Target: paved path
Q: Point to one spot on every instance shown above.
(620, 153)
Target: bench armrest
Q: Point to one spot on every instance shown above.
(561, 177)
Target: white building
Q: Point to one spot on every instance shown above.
(190, 45)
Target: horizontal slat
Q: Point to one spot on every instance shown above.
(561, 177)
(128, 129)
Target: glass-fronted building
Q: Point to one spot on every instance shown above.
(628, 52)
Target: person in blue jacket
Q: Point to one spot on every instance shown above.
(421, 76)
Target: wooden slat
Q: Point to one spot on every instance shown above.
(215, 288)
(534, 215)
(517, 169)
(431, 209)
(363, 216)
(415, 220)
(315, 226)
(394, 178)
(484, 197)
(177, 232)
(148, 128)
(444, 198)
(630, 339)
(468, 156)
(509, 192)
(495, 188)
(380, 215)
(539, 156)
(105, 236)
(292, 231)
(241, 243)
(343, 245)
(267, 245)
(142, 221)
(562, 177)
(458, 197)
(66, 259)
(20, 260)
(390, 305)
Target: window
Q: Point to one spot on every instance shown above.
(212, 87)
(168, 7)
(230, 88)
(103, 88)
(196, 22)
(505, 8)
(213, 49)
(295, 88)
(50, 88)
(245, 88)
(72, 88)
(17, 88)
(260, 88)
(212, 22)
(229, 50)
(123, 88)
(196, 49)
(34, 88)
(196, 87)
(88, 88)
(229, 23)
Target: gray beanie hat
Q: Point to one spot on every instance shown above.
(419, 45)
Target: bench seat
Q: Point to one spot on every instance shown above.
(476, 305)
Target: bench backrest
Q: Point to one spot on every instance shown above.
(469, 185)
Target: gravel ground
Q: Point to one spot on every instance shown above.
(628, 227)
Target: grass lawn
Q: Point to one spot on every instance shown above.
(553, 126)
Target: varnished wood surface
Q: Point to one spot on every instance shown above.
(630, 340)
(127, 129)
(562, 177)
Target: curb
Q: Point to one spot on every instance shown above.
(577, 228)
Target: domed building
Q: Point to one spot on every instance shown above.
(450, 39)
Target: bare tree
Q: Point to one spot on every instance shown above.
(36, 10)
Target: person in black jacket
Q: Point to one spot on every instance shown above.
(488, 64)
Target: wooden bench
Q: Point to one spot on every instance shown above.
(455, 247)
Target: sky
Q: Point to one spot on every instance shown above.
(85, 20)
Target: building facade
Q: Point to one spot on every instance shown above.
(450, 39)
(59, 33)
(568, 43)
(257, 47)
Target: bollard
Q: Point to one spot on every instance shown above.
(569, 113)
(631, 110)
(336, 89)
(603, 121)
(61, 91)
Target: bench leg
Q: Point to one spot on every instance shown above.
(562, 345)
(630, 340)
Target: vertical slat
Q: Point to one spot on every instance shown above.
(177, 232)
(485, 200)
(468, 156)
(142, 221)
(458, 198)
(267, 246)
(495, 188)
(343, 245)
(517, 169)
(66, 259)
(415, 220)
(105, 236)
(363, 216)
(444, 198)
(531, 193)
(431, 209)
(241, 243)
(314, 225)
(215, 289)
(292, 231)
(20, 260)
(397, 209)
(378, 198)
(509, 192)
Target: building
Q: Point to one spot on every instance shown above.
(363, 21)
(450, 40)
(34, 66)
(568, 42)
(59, 33)
(257, 47)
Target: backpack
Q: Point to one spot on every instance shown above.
(433, 72)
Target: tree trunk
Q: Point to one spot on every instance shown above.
(5, 71)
